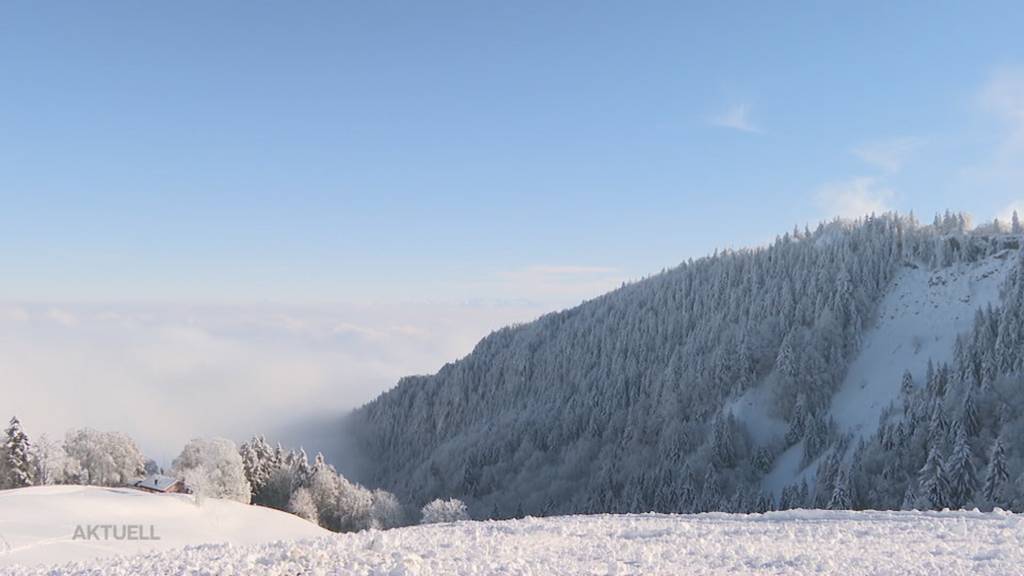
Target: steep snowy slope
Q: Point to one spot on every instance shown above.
(918, 320)
(795, 542)
(38, 524)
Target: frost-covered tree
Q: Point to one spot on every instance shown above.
(354, 506)
(302, 469)
(301, 504)
(257, 462)
(437, 511)
(52, 463)
(213, 468)
(385, 511)
(344, 506)
(17, 452)
(103, 458)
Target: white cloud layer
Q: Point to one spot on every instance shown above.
(165, 374)
(854, 198)
(168, 373)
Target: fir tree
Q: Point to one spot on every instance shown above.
(18, 456)
(711, 497)
(686, 498)
(840, 499)
(723, 442)
(933, 480)
(910, 497)
(963, 479)
(797, 422)
(969, 416)
(997, 473)
(805, 494)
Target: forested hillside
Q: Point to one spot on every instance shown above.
(625, 403)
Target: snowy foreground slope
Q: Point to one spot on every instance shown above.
(793, 542)
(38, 524)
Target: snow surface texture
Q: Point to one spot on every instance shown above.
(38, 524)
(793, 542)
(919, 319)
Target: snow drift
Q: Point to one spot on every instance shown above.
(38, 524)
(793, 542)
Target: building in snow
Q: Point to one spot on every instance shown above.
(161, 484)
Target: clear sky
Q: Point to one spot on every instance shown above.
(338, 151)
(195, 195)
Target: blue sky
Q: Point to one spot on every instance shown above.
(206, 200)
(339, 151)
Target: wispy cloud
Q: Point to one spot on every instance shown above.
(890, 154)
(1001, 171)
(736, 118)
(854, 198)
(1003, 95)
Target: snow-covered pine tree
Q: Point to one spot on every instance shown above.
(251, 465)
(788, 498)
(997, 475)
(711, 494)
(723, 441)
(969, 416)
(302, 469)
(910, 497)
(933, 481)
(797, 421)
(686, 497)
(907, 390)
(963, 479)
(18, 456)
(319, 463)
(840, 499)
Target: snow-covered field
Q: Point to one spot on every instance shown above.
(794, 542)
(38, 524)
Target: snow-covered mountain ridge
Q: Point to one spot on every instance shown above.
(793, 542)
(795, 375)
